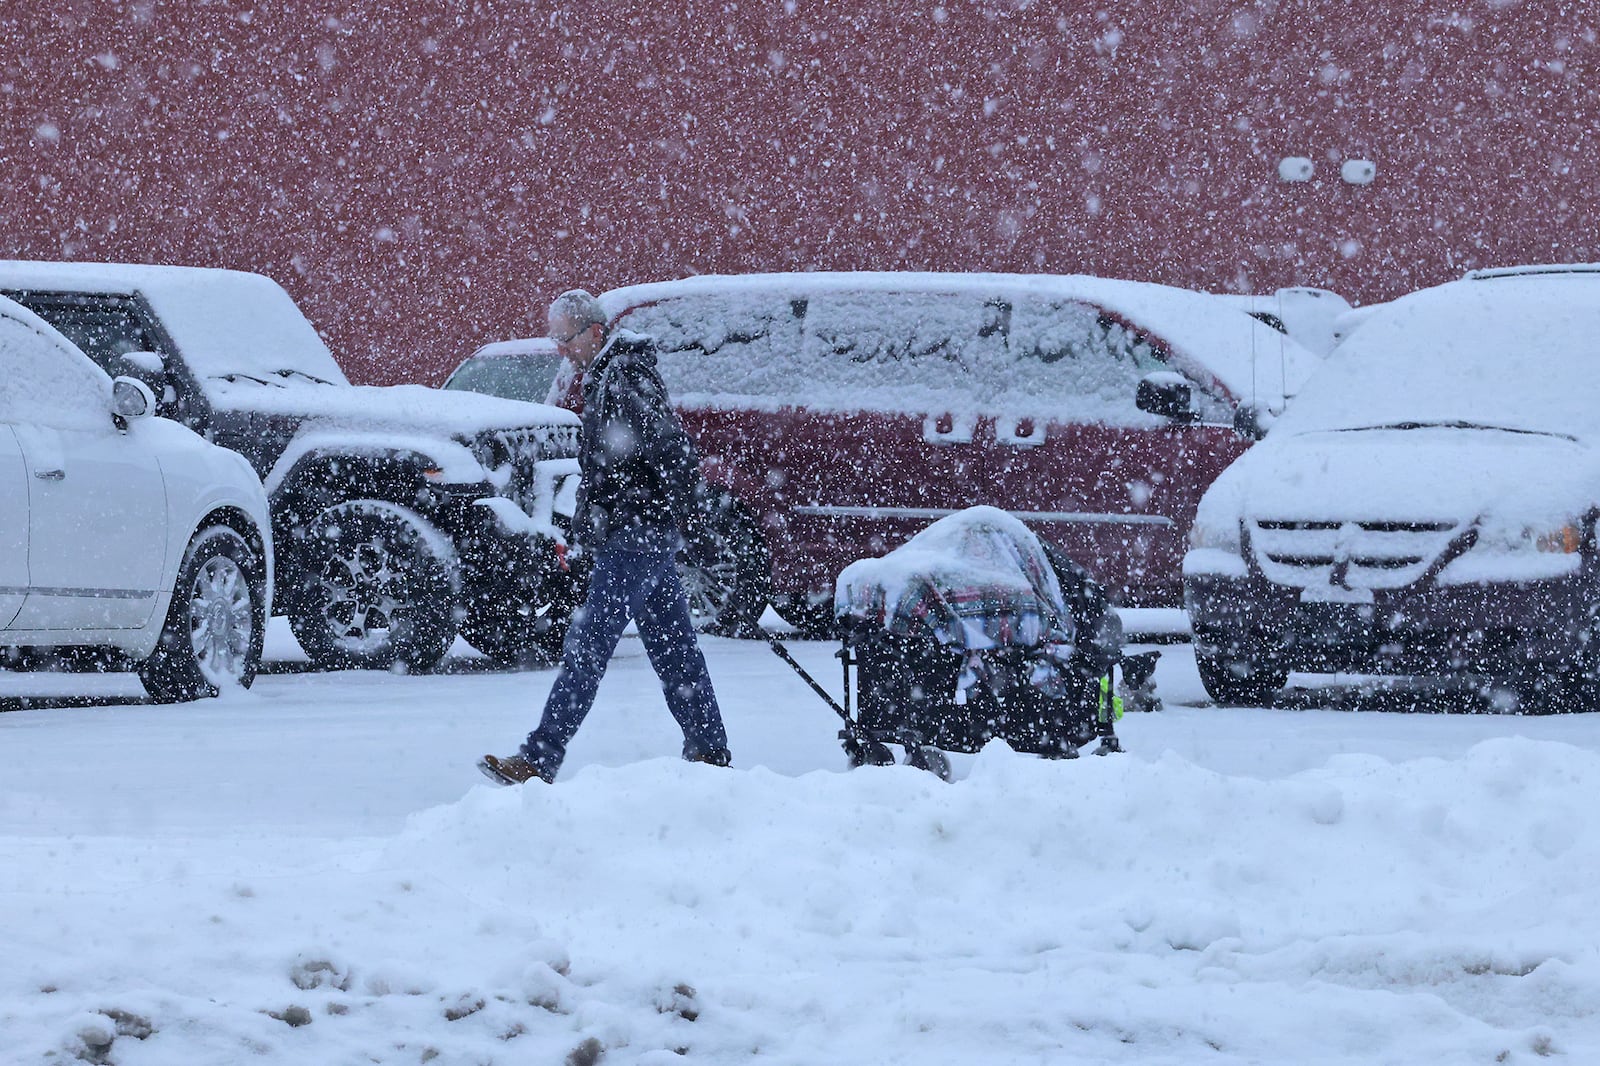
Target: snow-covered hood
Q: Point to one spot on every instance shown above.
(1433, 475)
(413, 408)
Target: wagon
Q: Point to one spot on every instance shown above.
(976, 629)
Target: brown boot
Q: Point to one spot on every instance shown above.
(513, 770)
(714, 757)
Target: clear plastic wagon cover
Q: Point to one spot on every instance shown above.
(977, 579)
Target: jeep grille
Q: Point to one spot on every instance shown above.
(521, 450)
(525, 447)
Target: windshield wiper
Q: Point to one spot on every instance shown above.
(288, 373)
(1457, 424)
(236, 377)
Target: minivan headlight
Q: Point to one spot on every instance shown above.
(1218, 536)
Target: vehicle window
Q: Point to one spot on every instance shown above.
(912, 352)
(48, 384)
(725, 347)
(1071, 361)
(522, 377)
(108, 327)
(104, 331)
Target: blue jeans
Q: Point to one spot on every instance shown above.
(633, 577)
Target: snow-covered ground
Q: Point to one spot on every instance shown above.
(314, 872)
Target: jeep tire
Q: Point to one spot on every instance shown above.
(518, 612)
(378, 589)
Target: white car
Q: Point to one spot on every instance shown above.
(1427, 507)
(119, 530)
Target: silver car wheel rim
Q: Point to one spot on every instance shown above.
(221, 620)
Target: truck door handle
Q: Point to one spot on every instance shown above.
(50, 475)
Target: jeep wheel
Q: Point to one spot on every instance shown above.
(727, 597)
(1239, 680)
(379, 588)
(215, 624)
(520, 615)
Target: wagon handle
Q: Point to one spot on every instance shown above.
(783, 653)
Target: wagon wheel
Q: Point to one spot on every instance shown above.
(929, 758)
(866, 753)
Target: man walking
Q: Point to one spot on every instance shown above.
(640, 486)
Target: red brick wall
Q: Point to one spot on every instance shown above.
(424, 175)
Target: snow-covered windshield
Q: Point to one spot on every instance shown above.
(1510, 354)
(527, 376)
(228, 325)
(233, 326)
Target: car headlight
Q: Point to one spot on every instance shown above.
(1510, 535)
(1217, 535)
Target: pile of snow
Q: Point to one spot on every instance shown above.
(1108, 910)
(311, 872)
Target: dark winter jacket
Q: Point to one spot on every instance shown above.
(640, 469)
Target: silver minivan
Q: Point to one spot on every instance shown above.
(1426, 507)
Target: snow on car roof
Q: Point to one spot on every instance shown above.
(224, 322)
(516, 348)
(1516, 353)
(1250, 359)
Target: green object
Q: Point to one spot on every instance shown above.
(1110, 708)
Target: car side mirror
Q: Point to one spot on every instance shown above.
(148, 367)
(131, 398)
(1167, 394)
(1251, 422)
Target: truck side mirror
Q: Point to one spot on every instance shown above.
(1168, 395)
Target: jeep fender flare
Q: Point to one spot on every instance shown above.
(311, 453)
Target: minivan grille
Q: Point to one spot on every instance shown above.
(1370, 527)
(1372, 554)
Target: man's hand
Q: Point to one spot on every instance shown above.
(701, 543)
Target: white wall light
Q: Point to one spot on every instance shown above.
(1358, 171)
(1295, 168)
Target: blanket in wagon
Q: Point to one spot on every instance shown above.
(975, 580)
